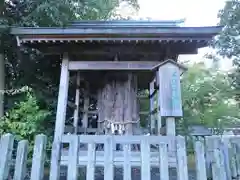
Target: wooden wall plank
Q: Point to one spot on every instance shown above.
(21, 160)
(38, 159)
(6, 148)
(112, 65)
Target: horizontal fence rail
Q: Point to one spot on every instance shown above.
(215, 157)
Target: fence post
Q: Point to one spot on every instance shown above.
(108, 158)
(230, 168)
(21, 160)
(163, 164)
(200, 160)
(209, 155)
(127, 165)
(235, 161)
(145, 157)
(38, 158)
(6, 148)
(218, 166)
(182, 169)
(73, 158)
(91, 161)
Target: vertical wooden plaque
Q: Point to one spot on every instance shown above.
(170, 90)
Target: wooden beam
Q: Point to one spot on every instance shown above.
(112, 65)
(60, 119)
(71, 129)
(113, 48)
(85, 109)
(93, 112)
(152, 116)
(159, 119)
(77, 98)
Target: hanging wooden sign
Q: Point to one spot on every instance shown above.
(170, 89)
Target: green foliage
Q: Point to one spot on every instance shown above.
(208, 99)
(227, 43)
(25, 120)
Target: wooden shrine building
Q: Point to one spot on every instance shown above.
(111, 62)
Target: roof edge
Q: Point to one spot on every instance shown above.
(211, 30)
(128, 23)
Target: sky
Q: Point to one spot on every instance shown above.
(195, 13)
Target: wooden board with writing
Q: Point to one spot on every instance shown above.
(170, 90)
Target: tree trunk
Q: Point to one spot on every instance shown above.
(2, 84)
(117, 104)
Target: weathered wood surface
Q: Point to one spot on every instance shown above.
(72, 158)
(38, 160)
(21, 160)
(152, 117)
(170, 90)
(20, 172)
(110, 158)
(77, 101)
(6, 152)
(200, 160)
(112, 65)
(60, 118)
(117, 105)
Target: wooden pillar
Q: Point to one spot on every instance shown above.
(77, 98)
(85, 110)
(170, 126)
(159, 119)
(2, 84)
(152, 116)
(60, 119)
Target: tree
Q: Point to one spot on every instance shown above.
(43, 76)
(208, 99)
(26, 118)
(227, 43)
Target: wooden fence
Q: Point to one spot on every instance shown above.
(216, 158)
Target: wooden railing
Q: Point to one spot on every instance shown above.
(216, 158)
